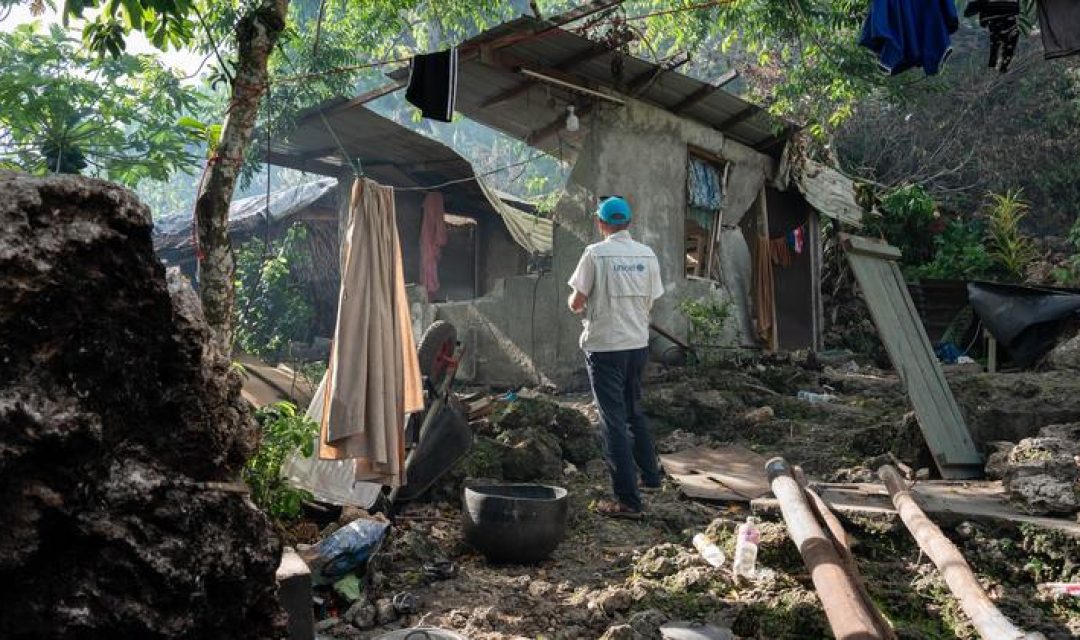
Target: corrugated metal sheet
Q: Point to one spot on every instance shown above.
(386, 151)
(900, 329)
(532, 110)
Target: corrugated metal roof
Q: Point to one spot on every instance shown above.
(387, 152)
(526, 42)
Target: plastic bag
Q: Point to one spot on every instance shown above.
(345, 550)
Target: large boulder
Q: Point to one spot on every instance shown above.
(123, 435)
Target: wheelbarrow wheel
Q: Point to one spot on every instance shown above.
(436, 350)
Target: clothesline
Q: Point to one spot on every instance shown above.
(471, 178)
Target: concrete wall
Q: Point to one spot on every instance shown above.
(639, 152)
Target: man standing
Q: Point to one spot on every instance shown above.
(614, 287)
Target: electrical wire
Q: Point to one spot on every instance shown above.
(523, 38)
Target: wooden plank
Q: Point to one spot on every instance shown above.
(951, 502)
(702, 487)
(870, 247)
(737, 468)
(829, 191)
(900, 329)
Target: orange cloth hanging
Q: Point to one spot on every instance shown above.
(763, 291)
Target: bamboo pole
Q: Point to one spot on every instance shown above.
(844, 607)
(988, 621)
(843, 548)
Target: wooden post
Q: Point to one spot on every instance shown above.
(985, 617)
(991, 352)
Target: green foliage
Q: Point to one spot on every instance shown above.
(271, 307)
(284, 431)
(711, 326)
(1011, 250)
(905, 218)
(959, 253)
(67, 112)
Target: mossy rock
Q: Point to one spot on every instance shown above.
(530, 455)
(577, 439)
(485, 459)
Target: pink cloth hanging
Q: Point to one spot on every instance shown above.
(432, 240)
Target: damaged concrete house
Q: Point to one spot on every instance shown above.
(705, 169)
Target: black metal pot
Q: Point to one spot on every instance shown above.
(516, 523)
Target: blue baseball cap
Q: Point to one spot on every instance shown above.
(614, 210)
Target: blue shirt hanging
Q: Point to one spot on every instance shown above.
(910, 33)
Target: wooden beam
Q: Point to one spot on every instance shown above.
(367, 97)
(746, 113)
(564, 84)
(642, 82)
(704, 92)
(309, 166)
(318, 153)
(557, 70)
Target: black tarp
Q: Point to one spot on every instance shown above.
(1024, 320)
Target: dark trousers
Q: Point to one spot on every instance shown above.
(628, 446)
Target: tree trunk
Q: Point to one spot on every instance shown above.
(256, 34)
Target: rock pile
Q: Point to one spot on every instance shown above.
(1042, 474)
(123, 435)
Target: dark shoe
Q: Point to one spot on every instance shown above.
(613, 509)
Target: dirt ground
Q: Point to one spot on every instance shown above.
(622, 579)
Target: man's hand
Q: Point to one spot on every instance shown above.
(577, 301)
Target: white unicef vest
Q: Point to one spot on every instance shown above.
(617, 313)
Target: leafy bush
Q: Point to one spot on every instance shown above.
(710, 320)
(1011, 250)
(906, 219)
(284, 431)
(959, 252)
(271, 307)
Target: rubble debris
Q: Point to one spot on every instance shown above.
(760, 415)
(531, 454)
(577, 438)
(1065, 355)
(1042, 473)
(362, 614)
(118, 414)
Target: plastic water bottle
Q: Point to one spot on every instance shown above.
(712, 553)
(746, 544)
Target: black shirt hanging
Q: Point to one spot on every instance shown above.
(1001, 20)
(433, 84)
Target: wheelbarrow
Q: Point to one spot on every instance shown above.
(444, 435)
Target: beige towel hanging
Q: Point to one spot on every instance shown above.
(373, 378)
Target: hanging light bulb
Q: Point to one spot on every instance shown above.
(572, 122)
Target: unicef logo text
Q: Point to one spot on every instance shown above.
(629, 268)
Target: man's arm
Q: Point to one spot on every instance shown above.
(581, 282)
(577, 301)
